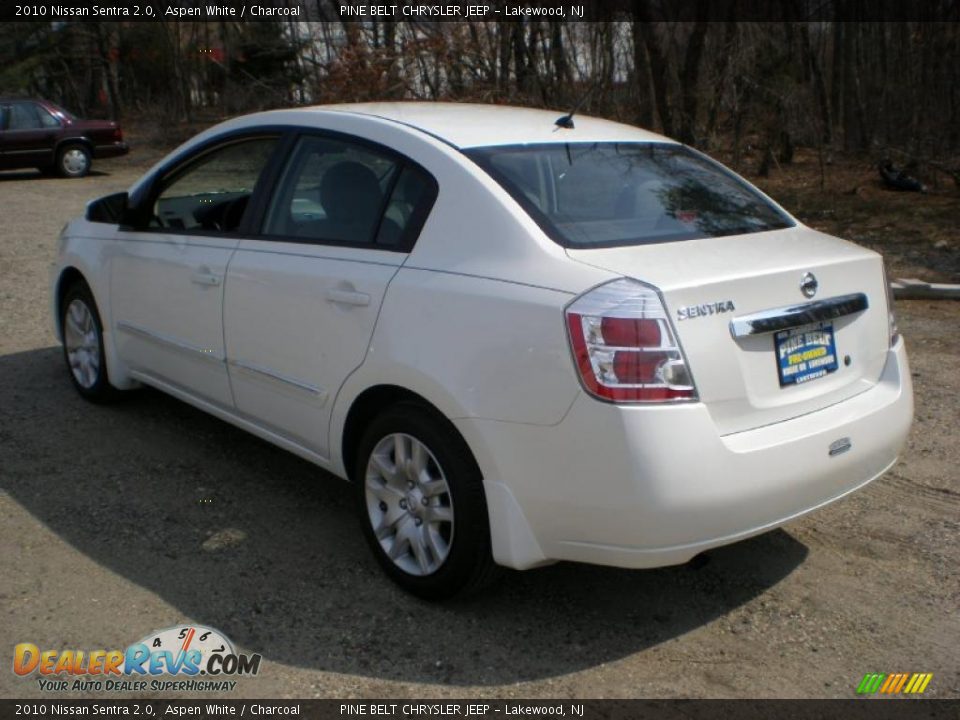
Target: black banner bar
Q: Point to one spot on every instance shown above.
(855, 709)
(427, 11)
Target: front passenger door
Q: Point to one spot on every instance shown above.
(167, 278)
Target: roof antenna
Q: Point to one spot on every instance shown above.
(566, 121)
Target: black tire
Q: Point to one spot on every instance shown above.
(73, 160)
(468, 565)
(92, 384)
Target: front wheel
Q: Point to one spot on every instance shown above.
(422, 504)
(83, 344)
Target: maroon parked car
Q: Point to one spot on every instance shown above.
(37, 133)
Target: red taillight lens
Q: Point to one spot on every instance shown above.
(630, 332)
(624, 347)
(117, 134)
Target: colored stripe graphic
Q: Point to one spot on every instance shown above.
(894, 683)
(890, 683)
(870, 683)
(903, 679)
(919, 684)
(186, 641)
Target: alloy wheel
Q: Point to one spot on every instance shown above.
(409, 504)
(82, 343)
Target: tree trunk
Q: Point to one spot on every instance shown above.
(854, 135)
(836, 71)
(689, 79)
(729, 38)
(558, 58)
(106, 65)
(820, 89)
(520, 58)
(659, 70)
(641, 79)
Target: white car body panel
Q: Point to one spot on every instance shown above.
(736, 378)
(167, 309)
(467, 125)
(472, 321)
(669, 485)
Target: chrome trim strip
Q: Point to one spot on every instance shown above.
(782, 318)
(260, 370)
(170, 342)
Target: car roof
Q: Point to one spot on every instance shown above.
(465, 125)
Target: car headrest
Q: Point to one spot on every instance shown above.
(349, 192)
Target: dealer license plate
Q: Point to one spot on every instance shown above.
(805, 353)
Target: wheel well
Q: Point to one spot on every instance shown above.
(69, 277)
(366, 407)
(73, 141)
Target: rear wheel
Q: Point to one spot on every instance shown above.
(422, 505)
(83, 344)
(73, 161)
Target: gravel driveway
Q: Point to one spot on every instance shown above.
(115, 521)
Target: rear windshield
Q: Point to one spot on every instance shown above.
(608, 194)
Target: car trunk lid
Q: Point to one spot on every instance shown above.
(710, 282)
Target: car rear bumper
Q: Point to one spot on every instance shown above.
(651, 486)
(110, 150)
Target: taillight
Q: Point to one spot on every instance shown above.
(624, 347)
(892, 329)
(117, 134)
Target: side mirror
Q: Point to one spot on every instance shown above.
(112, 209)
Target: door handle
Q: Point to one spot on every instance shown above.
(205, 278)
(347, 297)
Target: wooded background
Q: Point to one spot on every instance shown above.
(888, 89)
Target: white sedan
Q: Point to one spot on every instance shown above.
(522, 338)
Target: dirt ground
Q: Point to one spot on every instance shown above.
(116, 521)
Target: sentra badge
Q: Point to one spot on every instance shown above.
(688, 312)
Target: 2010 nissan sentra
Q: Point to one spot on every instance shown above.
(522, 338)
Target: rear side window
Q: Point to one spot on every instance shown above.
(609, 194)
(331, 190)
(409, 204)
(337, 191)
(212, 193)
(24, 116)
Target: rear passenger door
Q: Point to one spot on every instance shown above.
(302, 298)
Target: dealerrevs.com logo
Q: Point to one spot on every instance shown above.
(197, 658)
